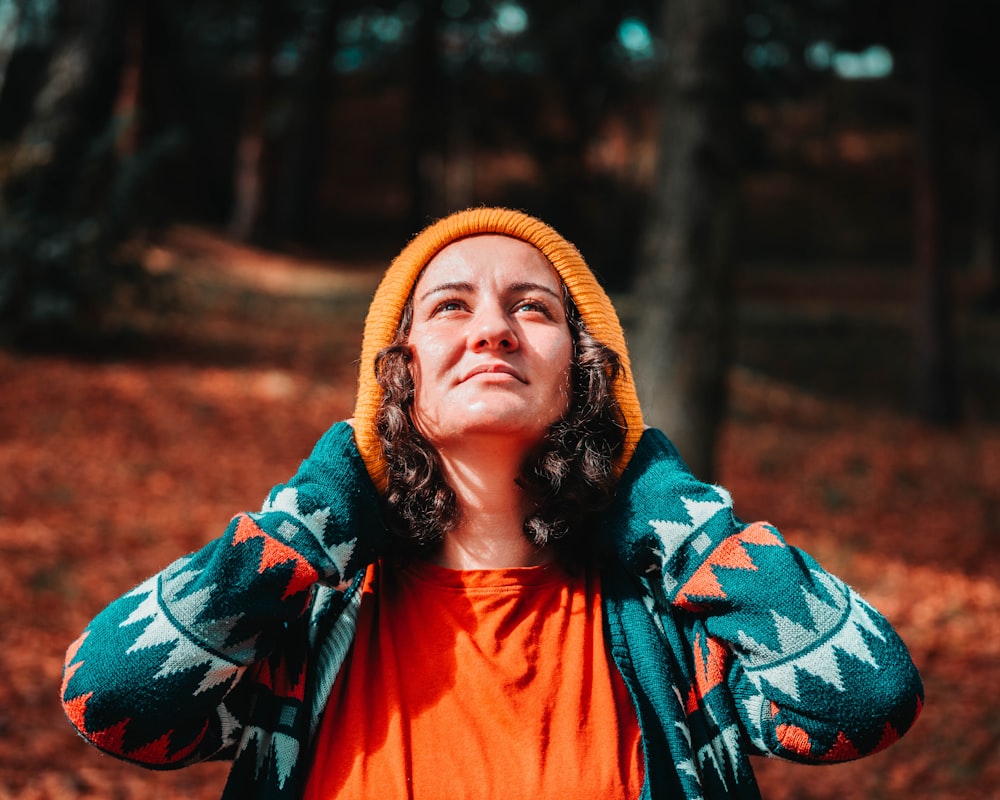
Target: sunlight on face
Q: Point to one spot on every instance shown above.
(490, 342)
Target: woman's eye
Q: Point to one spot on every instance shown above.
(448, 305)
(532, 306)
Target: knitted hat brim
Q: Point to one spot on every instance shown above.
(382, 322)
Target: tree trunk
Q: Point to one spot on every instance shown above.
(128, 104)
(9, 28)
(459, 161)
(935, 385)
(23, 62)
(307, 140)
(74, 103)
(425, 114)
(53, 240)
(249, 172)
(582, 82)
(986, 237)
(684, 282)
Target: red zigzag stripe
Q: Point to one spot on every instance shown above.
(729, 554)
(276, 552)
(112, 739)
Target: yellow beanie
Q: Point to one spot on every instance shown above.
(387, 306)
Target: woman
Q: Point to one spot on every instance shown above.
(497, 583)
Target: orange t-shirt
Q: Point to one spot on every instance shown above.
(478, 684)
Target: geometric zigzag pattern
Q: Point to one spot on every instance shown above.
(731, 554)
(163, 626)
(276, 747)
(815, 629)
(673, 535)
(701, 556)
(836, 614)
(112, 739)
(286, 502)
(837, 630)
(205, 622)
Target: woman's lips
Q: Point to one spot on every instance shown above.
(494, 369)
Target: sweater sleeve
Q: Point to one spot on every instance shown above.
(813, 671)
(158, 677)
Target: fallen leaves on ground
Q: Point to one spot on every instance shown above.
(113, 467)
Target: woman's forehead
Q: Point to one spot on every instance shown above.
(491, 257)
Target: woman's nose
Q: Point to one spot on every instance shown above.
(493, 329)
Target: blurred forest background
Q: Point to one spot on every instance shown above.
(795, 204)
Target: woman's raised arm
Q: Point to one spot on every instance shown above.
(813, 671)
(160, 676)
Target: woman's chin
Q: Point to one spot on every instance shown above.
(462, 428)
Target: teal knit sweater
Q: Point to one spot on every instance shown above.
(730, 641)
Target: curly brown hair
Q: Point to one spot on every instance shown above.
(568, 477)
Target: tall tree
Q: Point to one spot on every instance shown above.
(424, 115)
(986, 247)
(249, 170)
(10, 24)
(967, 60)
(935, 388)
(26, 39)
(74, 104)
(682, 326)
(307, 139)
(59, 174)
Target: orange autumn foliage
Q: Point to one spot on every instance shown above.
(111, 467)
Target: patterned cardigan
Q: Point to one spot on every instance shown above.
(730, 641)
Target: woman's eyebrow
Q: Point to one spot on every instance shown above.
(465, 286)
(528, 286)
(451, 286)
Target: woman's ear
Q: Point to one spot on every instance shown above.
(410, 364)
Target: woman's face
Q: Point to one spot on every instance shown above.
(491, 347)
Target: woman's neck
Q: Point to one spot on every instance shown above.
(492, 508)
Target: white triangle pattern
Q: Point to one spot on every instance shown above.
(793, 636)
(865, 612)
(726, 746)
(161, 630)
(186, 610)
(820, 661)
(824, 615)
(230, 726)
(147, 608)
(755, 653)
(673, 534)
(282, 748)
(340, 555)
(174, 579)
(187, 657)
(854, 643)
(755, 719)
(687, 765)
(701, 511)
(286, 501)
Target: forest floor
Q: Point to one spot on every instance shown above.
(112, 465)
